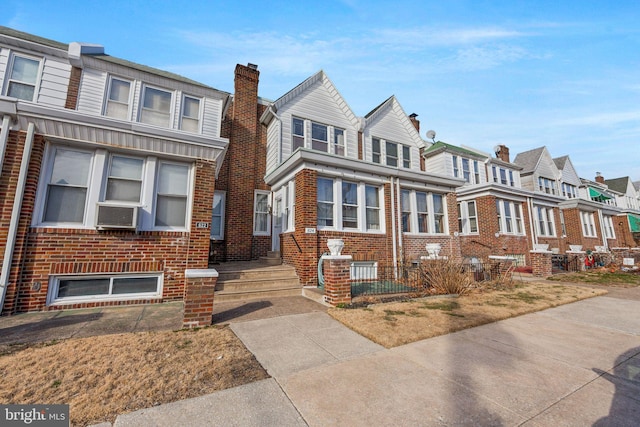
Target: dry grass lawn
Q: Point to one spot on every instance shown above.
(397, 323)
(103, 376)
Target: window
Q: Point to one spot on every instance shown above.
(454, 160)
(74, 181)
(509, 217)
(547, 185)
(325, 202)
(190, 117)
(349, 205)
(375, 150)
(297, 134)
(338, 142)
(406, 157)
(124, 181)
(562, 223)
(346, 205)
(588, 224)
(372, 200)
(118, 99)
(608, 227)
(217, 215)
(392, 154)
(22, 78)
(544, 221)
(171, 195)
(156, 107)
(466, 172)
(422, 212)
(503, 176)
(261, 214)
(66, 197)
(467, 217)
(476, 172)
(319, 137)
(569, 191)
(91, 288)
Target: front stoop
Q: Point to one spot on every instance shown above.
(239, 281)
(272, 258)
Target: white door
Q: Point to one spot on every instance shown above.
(276, 223)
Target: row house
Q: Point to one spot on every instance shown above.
(107, 176)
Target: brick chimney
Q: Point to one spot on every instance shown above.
(599, 178)
(416, 122)
(502, 153)
(242, 155)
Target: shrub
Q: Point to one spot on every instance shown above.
(446, 277)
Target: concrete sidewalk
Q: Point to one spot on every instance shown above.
(578, 364)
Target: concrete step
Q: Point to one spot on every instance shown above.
(315, 294)
(264, 283)
(261, 272)
(256, 280)
(225, 296)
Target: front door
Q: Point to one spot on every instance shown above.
(276, 223)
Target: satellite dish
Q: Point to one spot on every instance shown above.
(496, 149)
(431, 134)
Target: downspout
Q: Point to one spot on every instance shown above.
(534, 236)
(4, 137)
(15, 215)
(399, 222)
(393, 225)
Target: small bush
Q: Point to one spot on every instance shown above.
(446, 277)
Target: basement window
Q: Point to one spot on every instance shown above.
(74, 289)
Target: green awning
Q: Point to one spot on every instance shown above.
(597, 195)
(634, 223)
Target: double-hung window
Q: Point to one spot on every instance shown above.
(172, 195)
(509, 217)
(547, 185)
(349, 204)
(297, 134)
(466, 171)
(376, 152)
(124, 180)
(608, 227)
(319, 137)
(22, 77)
(261, 213)
(190, 116)
(476, 172)
(454, 162)
(66, 193)
(467, 217)
(118, 99)
(346, 205)
(545, 221)
(338, 141)
(156, 106)
(588, 224)
(503, 176)
(325, 202)
(406, 157)
(422, 212)
(217, 215)
(392, 154)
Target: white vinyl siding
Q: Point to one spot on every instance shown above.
(54, 83)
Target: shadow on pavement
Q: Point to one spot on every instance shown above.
(243, 310)
(44, 329)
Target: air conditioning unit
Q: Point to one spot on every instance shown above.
(109, 216)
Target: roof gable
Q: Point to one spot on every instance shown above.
(395, 122)
(529, 159)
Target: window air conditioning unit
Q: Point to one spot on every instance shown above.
(110, 216)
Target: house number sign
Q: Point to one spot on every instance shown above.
(202, 225)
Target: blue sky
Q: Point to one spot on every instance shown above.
(565, 74)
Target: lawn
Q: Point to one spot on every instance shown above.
(600, 276)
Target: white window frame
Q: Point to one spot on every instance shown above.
(431, 214)
(503, 176)
(54, 283)
(376, 154)
(297, 140)
(377, 208)
(609, 231)
(142, 108)
(221, 196)
(545, 224)
(317, 142)
(108, 100)
(266, 213)
(456, 167)
(337, 206)
(9, 72)
(108, 177)
(547, 185)
(188, 197)
(333, 143)
(339, 146)
(588, 224)
(96, 188)
(515, 225)
(467, 222)
(569, 191)
(197, 120)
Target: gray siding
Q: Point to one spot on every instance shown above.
(54, 83)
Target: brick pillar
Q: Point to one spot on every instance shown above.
(337, 279)
(198, 297)
(541, 263)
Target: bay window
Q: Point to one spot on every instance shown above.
(347, 205)
(509, 217)
(74, 181)
(423, 212)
